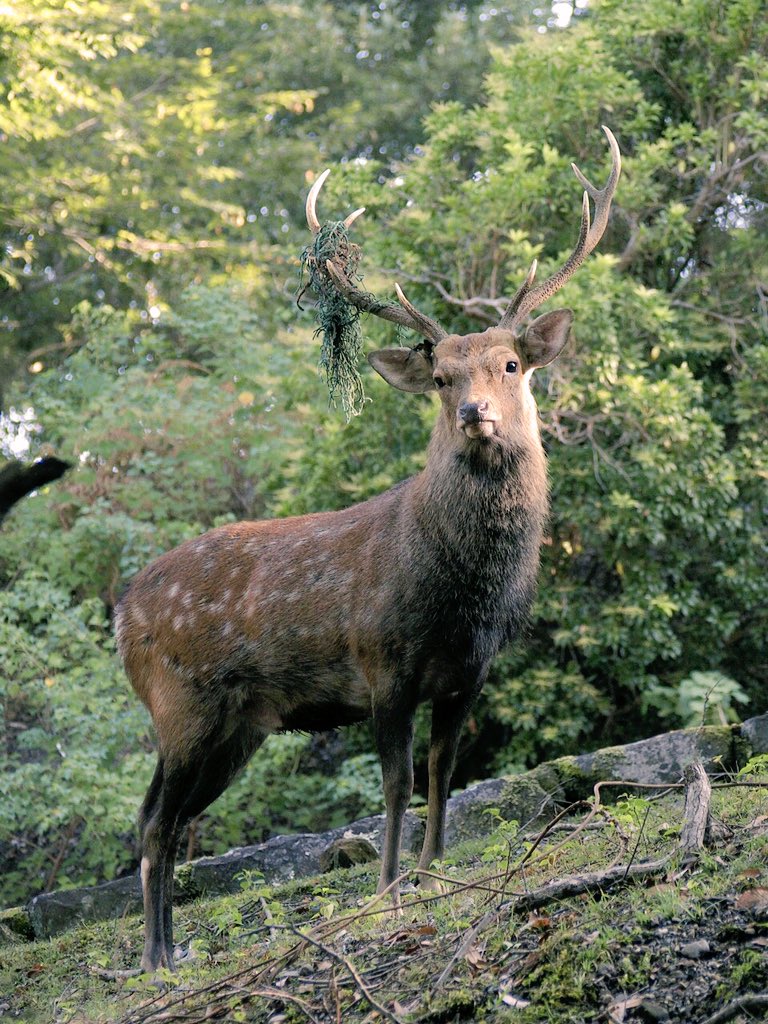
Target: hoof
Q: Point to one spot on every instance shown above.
(429, 885)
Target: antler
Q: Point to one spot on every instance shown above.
(528, 298)
(406, 315)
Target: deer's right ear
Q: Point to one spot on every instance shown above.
(406, 369)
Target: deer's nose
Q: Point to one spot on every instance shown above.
(473, 412)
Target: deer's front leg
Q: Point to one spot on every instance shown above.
(393, 727)
(448, 717)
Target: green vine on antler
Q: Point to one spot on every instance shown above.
(338, 320)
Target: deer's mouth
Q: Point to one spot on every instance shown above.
(480, 428)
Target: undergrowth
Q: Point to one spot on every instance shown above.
(680, 942)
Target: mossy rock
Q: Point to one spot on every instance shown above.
(520, 798)
(15, 925)
(346, 852)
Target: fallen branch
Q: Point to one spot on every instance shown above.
(749, 1002)
(592, 881)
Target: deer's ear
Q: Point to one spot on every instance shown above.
(404, 368)
(544, 339)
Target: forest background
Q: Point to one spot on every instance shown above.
(155, 156)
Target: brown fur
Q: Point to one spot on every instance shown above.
(326, 619)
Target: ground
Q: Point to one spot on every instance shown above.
(641, 933)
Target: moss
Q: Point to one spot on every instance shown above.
(185, 884)
(561, 959)
(749, 973)
(574, 780)
(453, 1006)
(15, 925)
(742, 748)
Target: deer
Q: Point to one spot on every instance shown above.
(317, 621)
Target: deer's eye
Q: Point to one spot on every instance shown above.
(439, 382)
(511, 366)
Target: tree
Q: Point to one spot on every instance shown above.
(158, 143)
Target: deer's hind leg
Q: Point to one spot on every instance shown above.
(181, 788)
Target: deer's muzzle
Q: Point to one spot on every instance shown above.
(476, 419)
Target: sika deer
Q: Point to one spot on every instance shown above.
(321, 620)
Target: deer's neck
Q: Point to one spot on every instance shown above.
(476, 499)
(475, 529)
(480, 516)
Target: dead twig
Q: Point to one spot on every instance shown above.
(353, 971)
(280, 995)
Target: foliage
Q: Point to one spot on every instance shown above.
(71, 728)
(703, 698)
(154, 160)
(146, 142)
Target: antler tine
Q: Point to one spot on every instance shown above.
(427, 327)
(528, 299)
(312, 221)
(406, 315)
(523, 290)
(350, 220)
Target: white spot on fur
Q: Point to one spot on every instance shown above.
(145, 866)
(178, 622)
(173, 590)
(120, 631)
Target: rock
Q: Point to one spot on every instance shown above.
(522, 798)
(658, 759)
(54, 912)
(653, 1011)
(755, 731)
(277, 860)
(696, 950)
(285, 857)
(529, 798)
(346, 852)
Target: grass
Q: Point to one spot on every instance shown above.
(315, 950)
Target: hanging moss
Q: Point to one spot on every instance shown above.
(338, 320)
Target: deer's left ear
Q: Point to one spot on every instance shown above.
(544, 339)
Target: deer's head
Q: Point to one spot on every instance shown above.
(482, 379)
